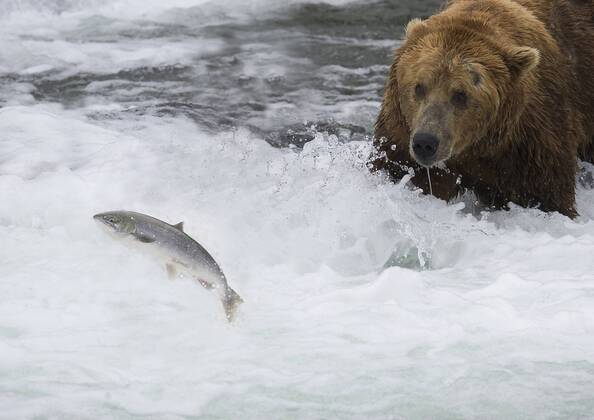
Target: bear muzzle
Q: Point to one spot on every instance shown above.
(424, 148)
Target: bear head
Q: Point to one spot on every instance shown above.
(453, 85)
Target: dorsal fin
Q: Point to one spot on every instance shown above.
(179, 226)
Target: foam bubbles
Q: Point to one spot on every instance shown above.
(304, 237)
(363, 298)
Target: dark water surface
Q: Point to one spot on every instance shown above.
(272, 72)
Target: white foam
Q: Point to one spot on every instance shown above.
(303, 237)
(71, 57)
(133, 9)
(363, 299)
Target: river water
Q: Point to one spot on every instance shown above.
(249, 121)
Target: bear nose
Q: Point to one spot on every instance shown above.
(425, 146)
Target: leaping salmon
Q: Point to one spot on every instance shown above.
(175, 248)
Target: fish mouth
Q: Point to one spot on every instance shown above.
(105, 220)
(100, 218)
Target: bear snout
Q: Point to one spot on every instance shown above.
(424, 147)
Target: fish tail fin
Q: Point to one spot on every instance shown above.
(231, 302)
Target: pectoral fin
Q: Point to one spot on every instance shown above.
(171, 271)
(145, 239)
(205, 284)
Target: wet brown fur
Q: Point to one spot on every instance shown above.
(527, 151)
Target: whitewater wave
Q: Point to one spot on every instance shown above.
(363, 297)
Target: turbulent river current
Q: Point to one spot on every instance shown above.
(250, 122)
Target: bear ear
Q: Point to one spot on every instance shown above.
(415, 27)
(521, 60)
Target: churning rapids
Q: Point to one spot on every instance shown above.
(363, 299)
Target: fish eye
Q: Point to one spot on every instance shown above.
(459, 99)
(420, 91)
(113, 219)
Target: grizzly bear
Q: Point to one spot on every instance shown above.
(496, 97)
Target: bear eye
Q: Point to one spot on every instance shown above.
(420, 91)
(459, 98)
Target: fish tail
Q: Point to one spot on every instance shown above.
(231, 302)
